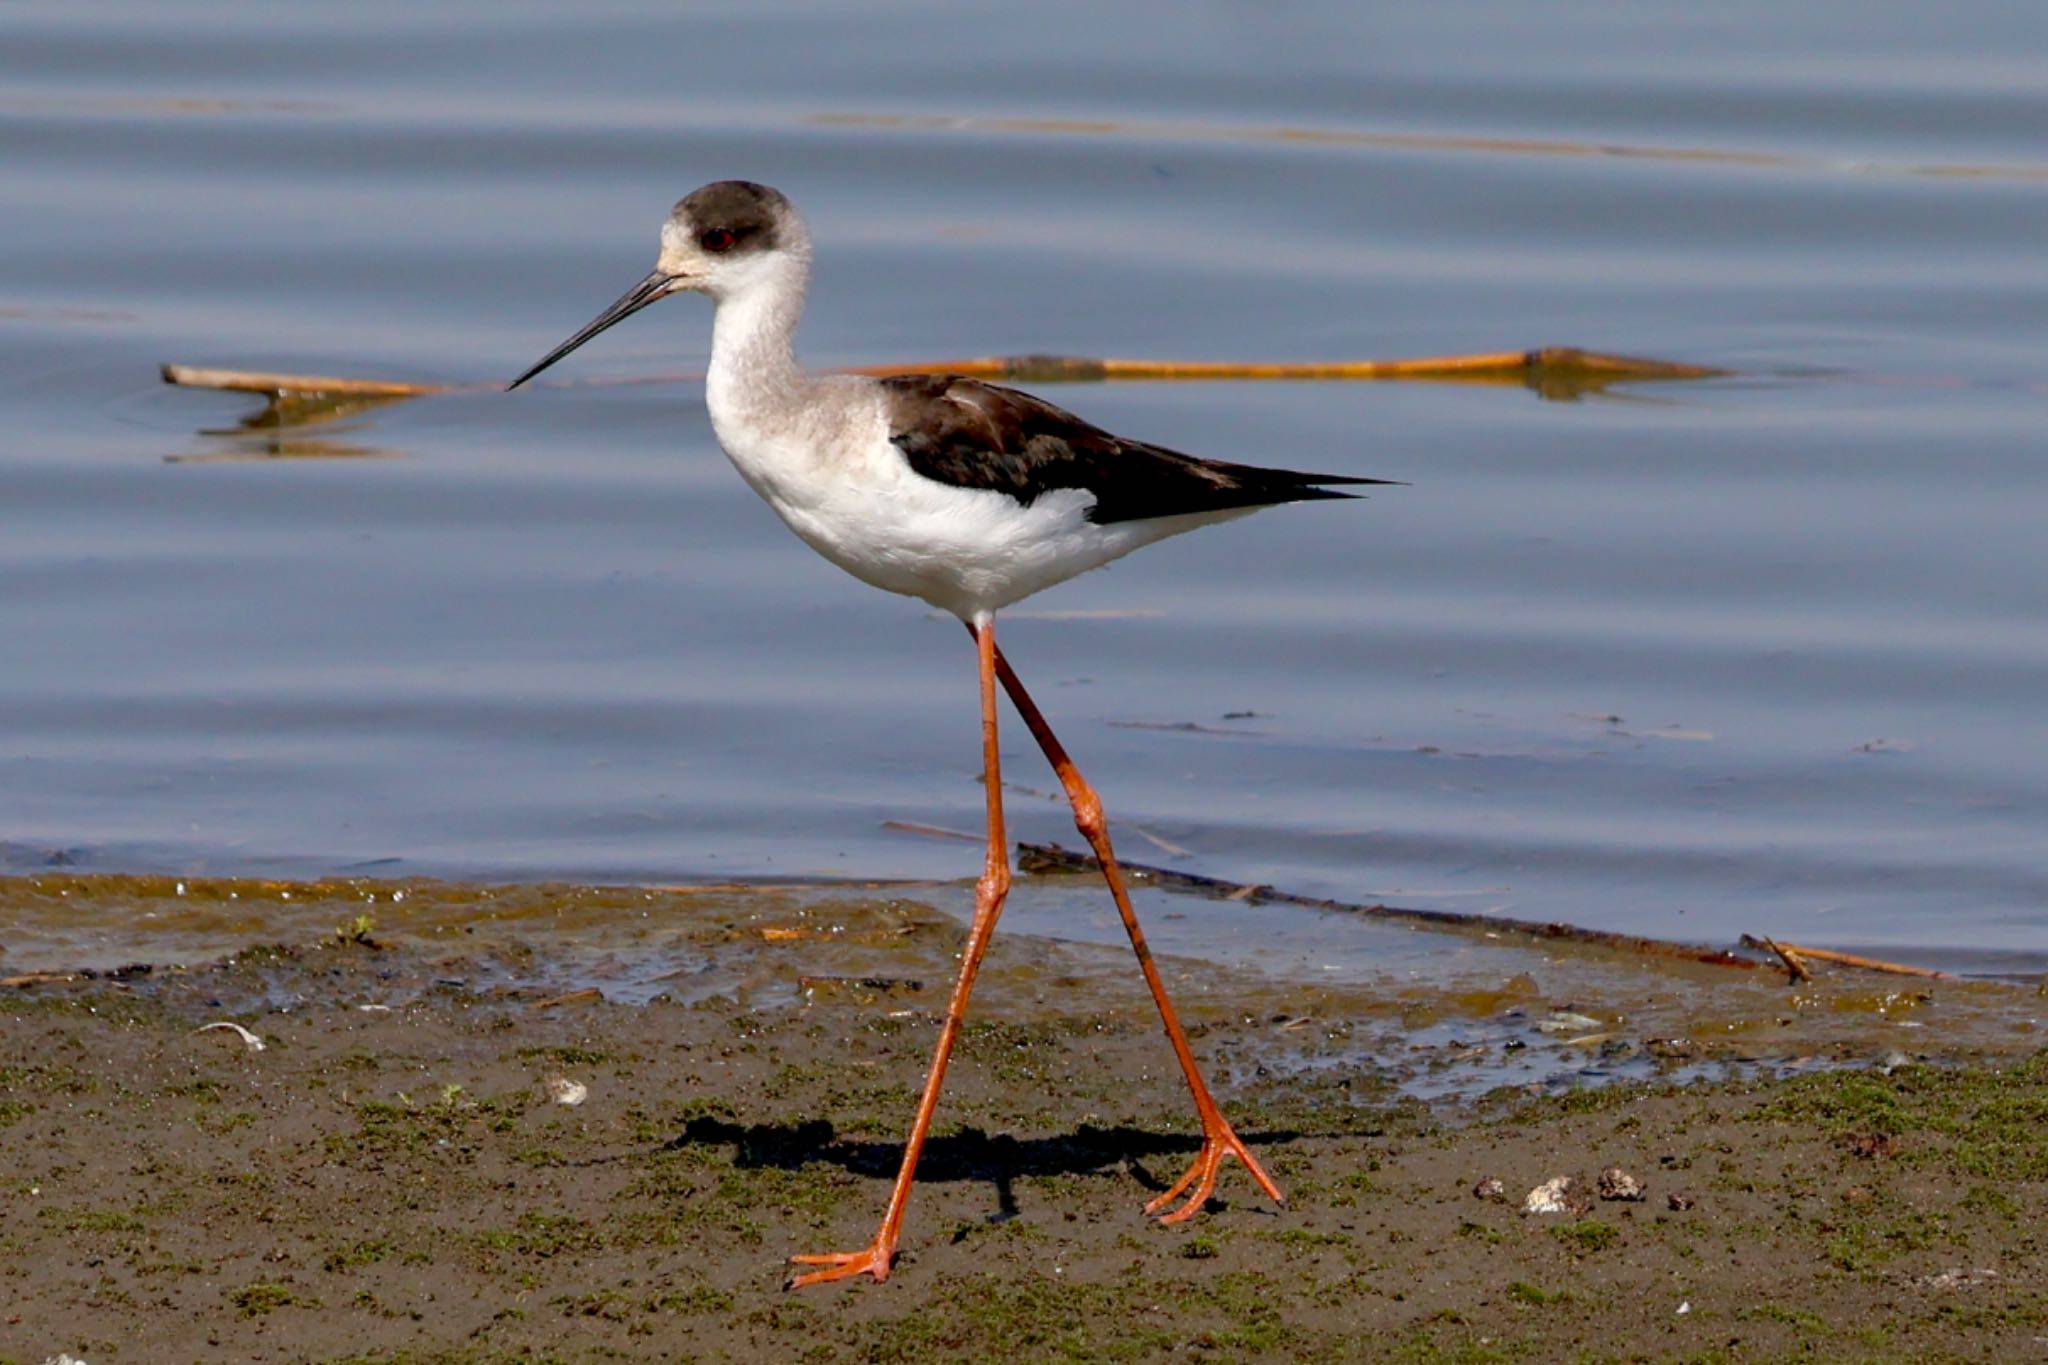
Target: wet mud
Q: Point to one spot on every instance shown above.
(470, 1124)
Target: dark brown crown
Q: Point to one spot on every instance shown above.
(748, 212)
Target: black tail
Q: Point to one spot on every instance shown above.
(1218, 486)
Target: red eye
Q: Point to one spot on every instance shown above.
(716, 239)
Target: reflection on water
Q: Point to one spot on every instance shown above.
(1755, 653)
(280, 429)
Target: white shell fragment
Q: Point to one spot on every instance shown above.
(1559, 1194)
(249, 1040)
(562, 1090)
(1954, 1279)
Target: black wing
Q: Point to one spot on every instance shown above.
(974, 435)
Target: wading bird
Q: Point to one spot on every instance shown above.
(966, 495)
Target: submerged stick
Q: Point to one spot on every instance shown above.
(1053, 858)
(1542, 368)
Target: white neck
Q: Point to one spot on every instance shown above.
(753, 371)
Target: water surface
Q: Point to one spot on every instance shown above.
(1761, 654)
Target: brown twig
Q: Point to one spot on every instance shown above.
(27, 979)
(1868, 964)
(589, 995)
(1794, 964)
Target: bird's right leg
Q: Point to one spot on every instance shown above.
(1219, 1139)
(989, 893)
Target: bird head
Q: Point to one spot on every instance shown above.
(726, 239)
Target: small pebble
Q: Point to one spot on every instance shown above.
(1615, 1183)
(1489, 1188)
(1679, 1203)
(562, 1090)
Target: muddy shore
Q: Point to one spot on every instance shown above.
(395, 1176)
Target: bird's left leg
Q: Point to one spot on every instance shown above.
(989, 893)
(1219, 1139)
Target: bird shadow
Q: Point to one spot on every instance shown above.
(970, 1154)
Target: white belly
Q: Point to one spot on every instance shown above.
(854, 499)
(966, 551)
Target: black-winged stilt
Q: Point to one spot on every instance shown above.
(967, 495)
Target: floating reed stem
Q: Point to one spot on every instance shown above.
(1560, 370)
(263, 381)
(1547, 362)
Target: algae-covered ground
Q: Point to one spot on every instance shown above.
(402, 1183)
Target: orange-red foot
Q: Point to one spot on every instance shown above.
(1217, 1143)
(873, 1260)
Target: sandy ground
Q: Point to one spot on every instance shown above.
(399, 1183)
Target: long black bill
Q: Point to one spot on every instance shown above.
(632, 301)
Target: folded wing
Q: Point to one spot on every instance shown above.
(970, 434)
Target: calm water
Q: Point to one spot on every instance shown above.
(1765, 653)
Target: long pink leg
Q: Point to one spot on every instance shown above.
(989, 892)
(1219, 1140)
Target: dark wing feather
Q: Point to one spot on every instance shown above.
(973, 435)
